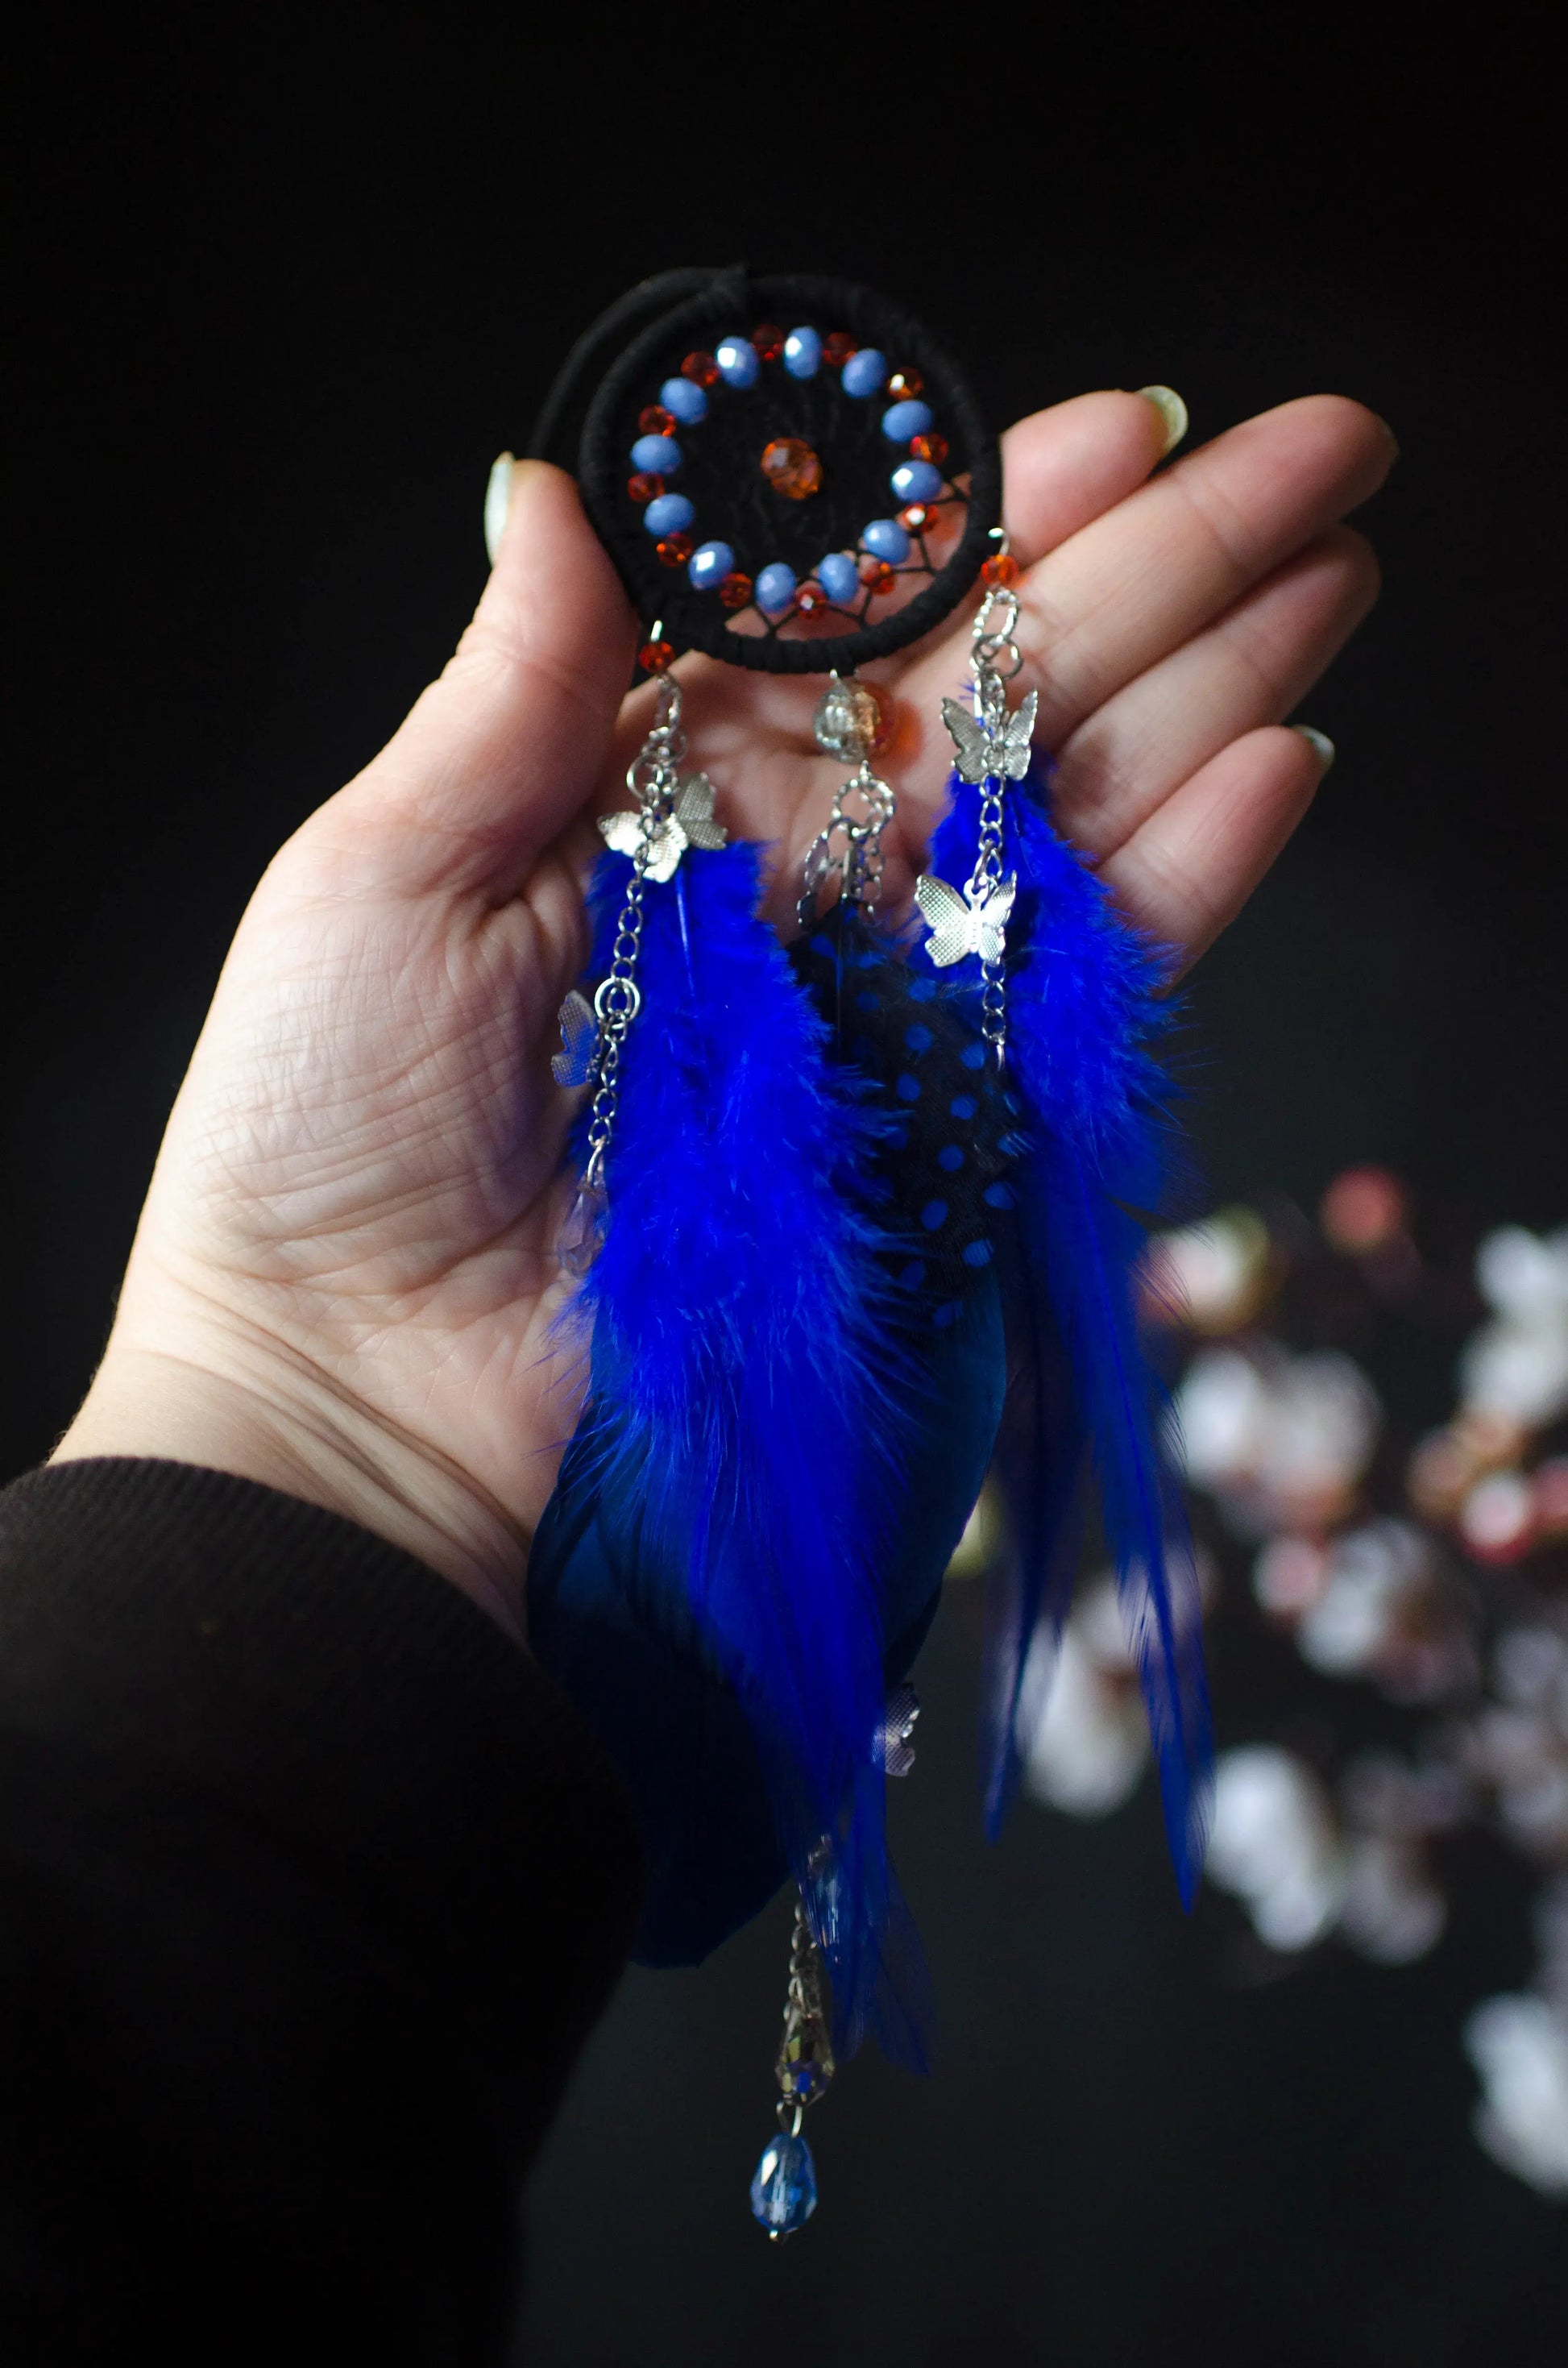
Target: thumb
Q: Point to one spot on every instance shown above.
(499, 753)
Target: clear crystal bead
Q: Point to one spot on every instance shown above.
(849, 720)
(578, 1244)
(784, 2191)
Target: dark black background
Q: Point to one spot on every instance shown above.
(283, 289)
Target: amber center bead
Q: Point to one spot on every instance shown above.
(791, 468)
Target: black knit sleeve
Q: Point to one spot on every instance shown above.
(312, 1887)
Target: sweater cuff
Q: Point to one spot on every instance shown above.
(333, 1692)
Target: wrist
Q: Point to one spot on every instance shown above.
(246, 1404)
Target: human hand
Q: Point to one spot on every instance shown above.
(344, 1283)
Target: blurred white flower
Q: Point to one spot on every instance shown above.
(1290, 1575)
(1279, 1438)
(1519, 2047)
(1516, 1367)
(1212, 1276)
(1524, 1275)
(1083, 1735)
(1497, 1517)
(1373, 1574)
(1274, 1845)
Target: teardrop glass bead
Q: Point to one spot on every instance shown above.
(784, 2191)
(578, 1245)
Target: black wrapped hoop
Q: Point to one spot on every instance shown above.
(643, 341)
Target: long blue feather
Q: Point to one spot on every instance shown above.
(733, 1523)
(1084, 1013)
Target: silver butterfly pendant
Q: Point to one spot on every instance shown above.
(579, 1054)
(992, 745)
(975, 923)
(692, 824)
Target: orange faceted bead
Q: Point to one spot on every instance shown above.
(654, 656)
(879, 577)
(644, 488)
(809, 598)
(701, 368)
(735, 589)
(767, 342)
(656, 421)
(917, 518)
(930, 448)
(791, 468)
(836, 349)
(673, 550)
(1004, 569)
(905, 383)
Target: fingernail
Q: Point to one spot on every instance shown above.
(1172, 412)
(497, 500)
(1319, 743)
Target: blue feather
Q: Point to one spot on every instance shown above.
(734, 1523)
(1085, 1012)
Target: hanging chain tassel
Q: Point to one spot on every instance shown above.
(846, 723)
(992, 748)
(1072, 998)
(671, 814)
(784, 2188)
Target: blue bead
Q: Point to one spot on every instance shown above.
(685, 399)
(908, 1089)
(918, 1037)
(657, 456)
(998, 1196)
(977, 1253)
(934, 1214)
(885, 539)
(903, 420)
(670, 514)
(802, 354)
(922, 990)
(973, 1056)
(738, 364)
(949, 1157)
(915, 481)
(839, 576)
(784, 2191)
(865, 372)
(964, 1106)
(775, 588)
(709, 565)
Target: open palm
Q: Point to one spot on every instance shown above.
(344, 1281)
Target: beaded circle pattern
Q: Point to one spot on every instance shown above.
(762, 484)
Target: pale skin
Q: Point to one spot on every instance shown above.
(344, 1283)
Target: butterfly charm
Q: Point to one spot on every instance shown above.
(692, 824)
(578, 1056)
(992, 745)
(975, 923)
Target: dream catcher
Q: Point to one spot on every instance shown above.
(859, 1219)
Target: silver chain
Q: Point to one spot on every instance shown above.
(653, 780)
(995, 659)
(805, 2064)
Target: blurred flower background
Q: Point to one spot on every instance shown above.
(1417, 1570)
